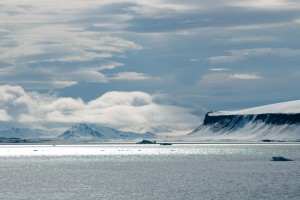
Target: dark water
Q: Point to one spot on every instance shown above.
(149, 172)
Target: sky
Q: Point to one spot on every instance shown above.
(140, 65)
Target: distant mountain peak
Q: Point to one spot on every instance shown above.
(81, 131)
(95, 132)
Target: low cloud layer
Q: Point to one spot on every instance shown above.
(131, 111)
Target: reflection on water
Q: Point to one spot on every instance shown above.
(205, 171)
(149, 150)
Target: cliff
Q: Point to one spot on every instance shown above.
(254, 125)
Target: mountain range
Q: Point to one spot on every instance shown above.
(275, 122)
(78, 132)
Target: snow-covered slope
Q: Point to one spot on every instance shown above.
(290, 107)
(22, 133)
(93, 132)
(272, 122)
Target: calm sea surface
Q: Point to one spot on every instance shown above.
(202, 171)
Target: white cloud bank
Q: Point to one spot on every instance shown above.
(131, 111)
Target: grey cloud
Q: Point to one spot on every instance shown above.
(41, 77)
(209, 15)
(53, 45)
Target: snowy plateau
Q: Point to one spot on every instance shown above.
(275, 122)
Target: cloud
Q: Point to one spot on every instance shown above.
(231, 28)
(159, 8)
(269, 5)
(245, 76)
(64, 43)
(43, 85)
(130, 76)
(221, 78)
(237, 55)
(194, 60)
(58, 47)
(69, 48)
(219, 69)
(214, 78)
(86, 75)
(251, 39)
(297, 21)
(4, 116)
(131, 111)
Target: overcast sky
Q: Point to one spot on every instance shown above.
(144, 65)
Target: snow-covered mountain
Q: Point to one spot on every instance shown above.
(22, 133)
(94, 132)
(279, 121)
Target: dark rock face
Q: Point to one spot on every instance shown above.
(230, 122)
(274, 119)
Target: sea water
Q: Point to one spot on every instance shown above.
(123, 171)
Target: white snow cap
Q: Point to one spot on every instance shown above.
(285, 107)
